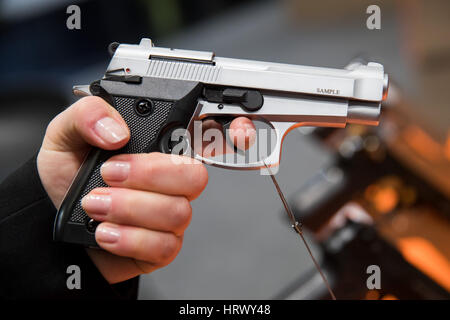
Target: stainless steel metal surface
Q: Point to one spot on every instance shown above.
(364, 82)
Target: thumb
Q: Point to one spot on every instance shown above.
(89, 121)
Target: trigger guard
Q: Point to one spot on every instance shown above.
(272, 160)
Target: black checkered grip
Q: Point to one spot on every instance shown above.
(144, 130)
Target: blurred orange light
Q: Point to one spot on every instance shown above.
(447, 146)
(422, 143)
(372, 295)
(383, 198)
(389, 297)
(423, 255)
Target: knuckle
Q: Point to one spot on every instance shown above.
(87, 110)
(91, 102)
(83, 104)
(199, 177)
(168, 247)
(151, 167)
(149, 171)
(144, 266)
(182, 212)
(53, 125)
(125, 212)
(91, 105)
(136, 247)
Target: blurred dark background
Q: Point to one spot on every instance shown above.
(239, 244)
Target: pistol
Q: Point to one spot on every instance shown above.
(159, 91)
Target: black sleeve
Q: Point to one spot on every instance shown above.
(31, 264)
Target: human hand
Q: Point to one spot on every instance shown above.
(146, 209)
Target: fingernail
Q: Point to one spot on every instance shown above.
(115, 170)
(96, 203)
(107, 234)
(110, 130)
